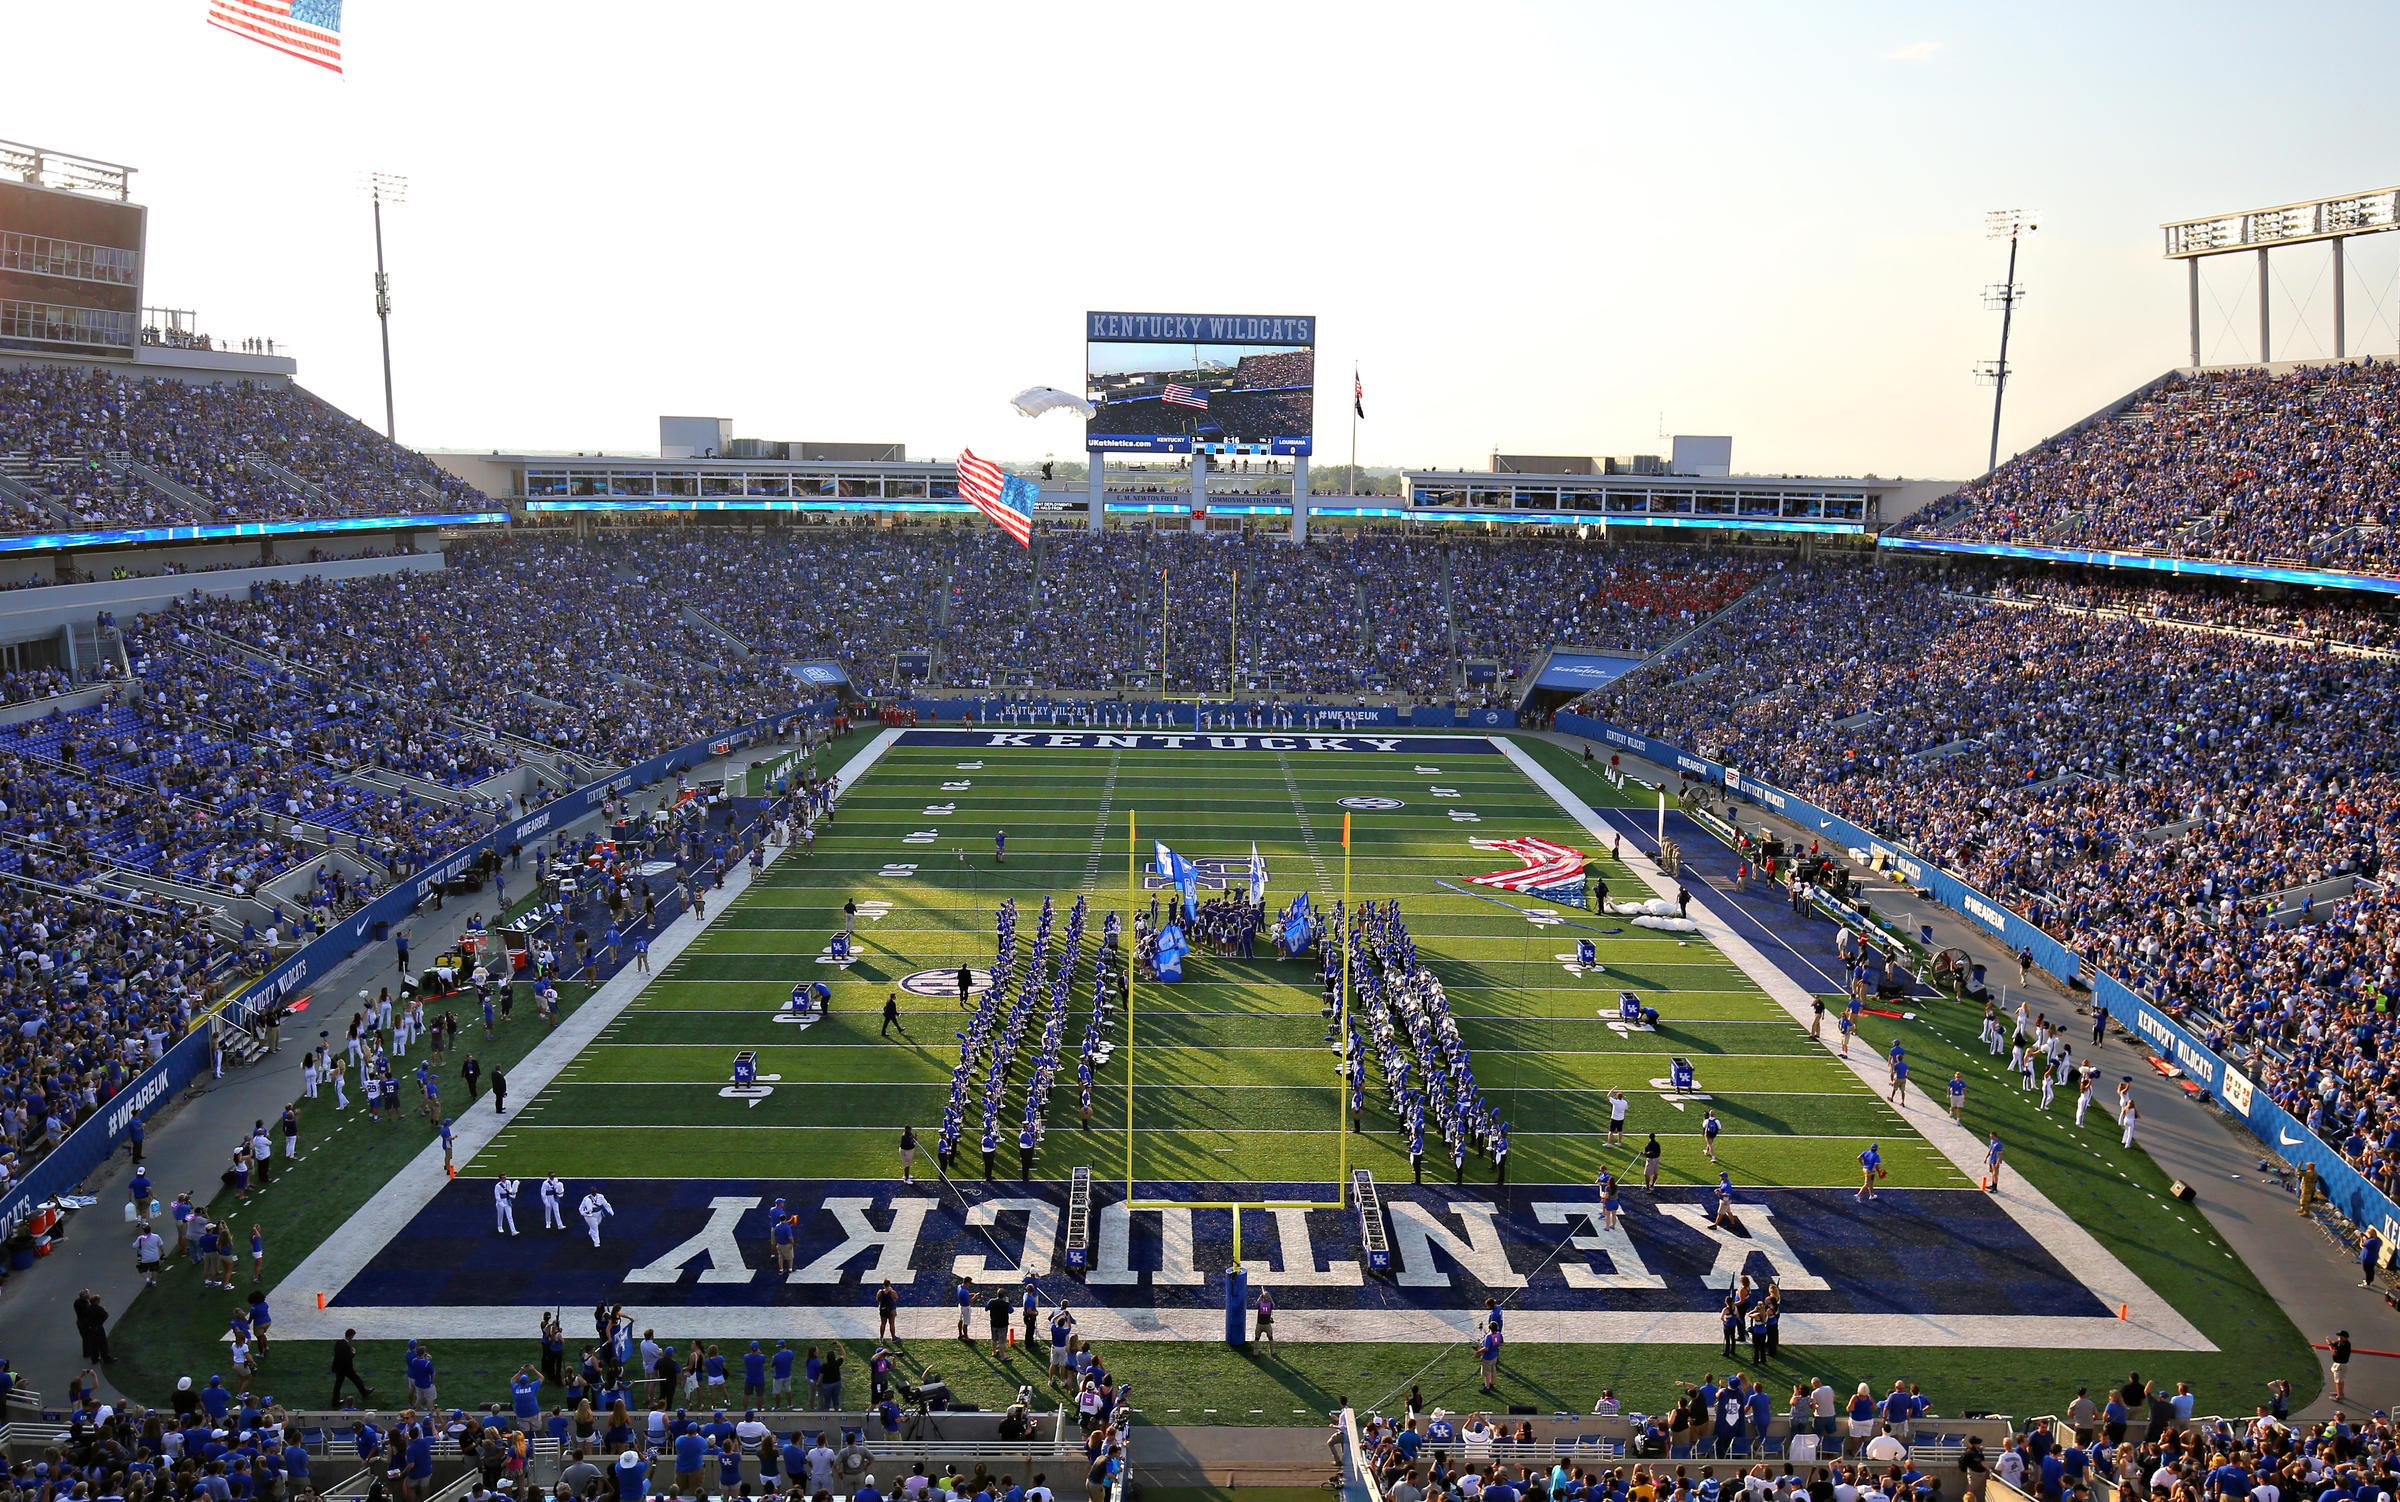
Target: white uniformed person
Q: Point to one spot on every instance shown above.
(554, 1199)
(594, 1206)
(504, 1205)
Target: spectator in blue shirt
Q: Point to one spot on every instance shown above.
(526, 1389)
(691, 1454)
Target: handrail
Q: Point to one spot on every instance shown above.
(1358, 1477)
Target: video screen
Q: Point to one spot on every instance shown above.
(1164, 398)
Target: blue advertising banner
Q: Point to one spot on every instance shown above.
(1580, 670)
(1015, 713)
(2101, 558)
(2344, 1187)
(215, 531)
(1134, 740)
(819, 674)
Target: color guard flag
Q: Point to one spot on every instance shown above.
(1258, 873)
(1007, 499)
(1183, 873)
(310, 30)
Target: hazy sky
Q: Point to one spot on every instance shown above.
(1547, 228)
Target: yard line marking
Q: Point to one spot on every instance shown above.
(1308, 831)
(1108, 795)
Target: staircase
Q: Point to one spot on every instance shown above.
(174, 490)
(14, 468)
(267, 469)
(697, 619)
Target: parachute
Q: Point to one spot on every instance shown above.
(1033, 401)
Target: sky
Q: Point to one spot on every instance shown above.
(1557, 229)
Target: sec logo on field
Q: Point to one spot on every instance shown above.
(944, 983)
(1372, 805)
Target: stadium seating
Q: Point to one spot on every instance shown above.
(90, 448)
(2138, 778)
(2250, 465)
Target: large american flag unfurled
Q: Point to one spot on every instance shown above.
(1185, 396)
(1007, 499)
(310, 30)
(1552, 872)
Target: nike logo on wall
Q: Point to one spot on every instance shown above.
(2289, 1140)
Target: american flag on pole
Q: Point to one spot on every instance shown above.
(1185, 396)
(1553, 873)
(310, 30)
(1007, 499)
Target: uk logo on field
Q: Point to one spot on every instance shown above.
(943, 984)
(1215, 872)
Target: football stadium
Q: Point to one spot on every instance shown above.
(960, 970)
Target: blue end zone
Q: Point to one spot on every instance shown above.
(1925, 1252)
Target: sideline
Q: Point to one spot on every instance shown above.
(334, 1262)
(2159, 1324)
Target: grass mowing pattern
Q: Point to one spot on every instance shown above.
(637, 1104)
(1229, 1075)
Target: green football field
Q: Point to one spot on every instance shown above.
(1229, 1074)
(1231, 1079)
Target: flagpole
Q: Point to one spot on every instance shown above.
(1354, 429)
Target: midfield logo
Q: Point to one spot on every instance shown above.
(1217, 873)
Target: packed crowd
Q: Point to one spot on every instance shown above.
(94, 990)
(2141, 1438)
(2152, 794)
(70, 441)
(2244, 465)
(2207, 604)
(1086, 612)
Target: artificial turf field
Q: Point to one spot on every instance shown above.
(1233, 1092)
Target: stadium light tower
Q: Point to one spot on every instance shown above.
(2012, 225)
(383, 188)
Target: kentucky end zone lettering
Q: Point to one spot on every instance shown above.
(693, 1244)
(1292, 743)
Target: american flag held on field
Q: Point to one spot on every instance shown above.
(310, 30)
(1551, 872)
(1007, 499)
(1185, 396)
